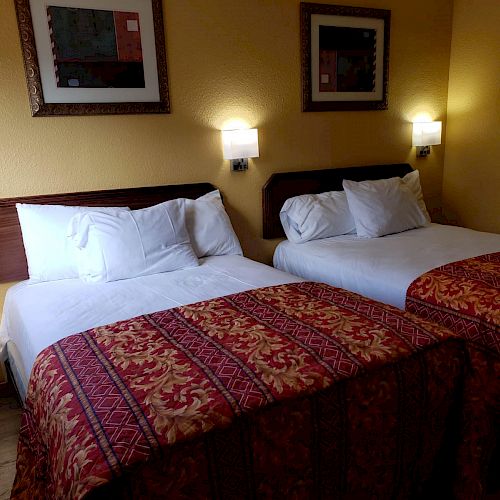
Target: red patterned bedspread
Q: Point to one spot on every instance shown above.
(465, 297)
(294, 391)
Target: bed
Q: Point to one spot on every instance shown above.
(441, 272)
(382, 268)
(226, 380)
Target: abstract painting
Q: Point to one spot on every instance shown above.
(96, 48)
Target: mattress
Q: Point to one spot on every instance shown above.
(382, 268)
(38, 314)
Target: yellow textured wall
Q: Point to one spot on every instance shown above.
(229, 60)
(471, 187)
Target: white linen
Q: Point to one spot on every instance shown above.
(209, 227)
(38, 314)
(381, 207)
(314, 216)
(412, 181)
(382, 268)
(49, 254)
(132, 243)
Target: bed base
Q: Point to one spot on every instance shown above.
(11, 381)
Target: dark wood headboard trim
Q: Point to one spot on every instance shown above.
(284, 185)
(13, 266)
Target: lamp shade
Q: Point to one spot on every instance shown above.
(240, 144)
(426, 133)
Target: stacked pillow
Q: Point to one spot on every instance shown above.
(100, 244)
(132, 243)
(49, 253)
(369, 209)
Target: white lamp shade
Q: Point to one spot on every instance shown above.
(240, 144)
(426, 133)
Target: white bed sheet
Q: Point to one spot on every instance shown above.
(37, 315)
(382, 268)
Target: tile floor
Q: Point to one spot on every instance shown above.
(10, 418)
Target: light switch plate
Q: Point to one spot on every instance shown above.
(239, 165)
(423, 151)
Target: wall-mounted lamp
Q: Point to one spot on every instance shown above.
(425, 135)
(239, 145)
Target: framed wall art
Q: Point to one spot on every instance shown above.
(344, 56)
(94, 56)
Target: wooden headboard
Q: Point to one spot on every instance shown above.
(284, 185)
(13, 266)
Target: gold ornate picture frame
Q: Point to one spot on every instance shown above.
(93, 57)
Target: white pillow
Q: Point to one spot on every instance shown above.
(136, 243)
(209, 227)
(44, 228)
(412, 180)
(382, 207)
(315, 216)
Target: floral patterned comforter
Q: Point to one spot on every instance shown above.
(293, 391)
(465, 297)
